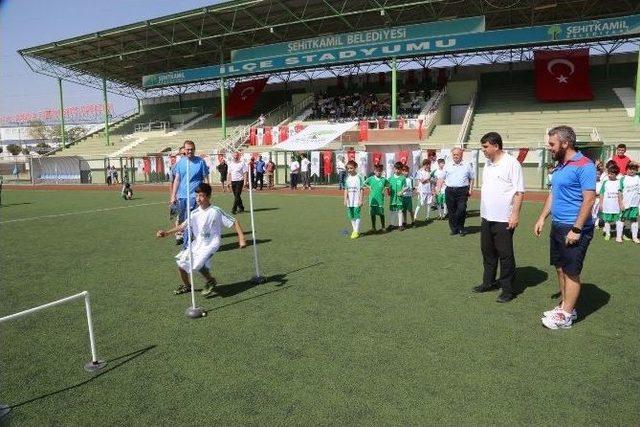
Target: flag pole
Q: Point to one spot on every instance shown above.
(192, 312)
(257, 278)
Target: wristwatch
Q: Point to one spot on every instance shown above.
(576, 230)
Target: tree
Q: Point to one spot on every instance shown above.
(38, 130)
(14, 149)
(75, 133)
(42, 148)
(25, 151)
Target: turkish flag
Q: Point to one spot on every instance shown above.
(252, 135)
(327, 164)
(284, 133)
(243, 97)
(522, 154)
(364, 131)
(562, 75)
(267, 136)
(402, 157)
(351, 155)
(377, 158)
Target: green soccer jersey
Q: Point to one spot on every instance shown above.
(397, 183)
(376, 189)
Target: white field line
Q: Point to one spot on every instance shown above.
(33, 218)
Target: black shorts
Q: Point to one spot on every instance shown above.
(569, 258)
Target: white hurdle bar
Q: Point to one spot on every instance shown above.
(95, 364)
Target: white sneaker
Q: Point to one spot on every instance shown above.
(618, 240)
(559, 320)
(574, 313)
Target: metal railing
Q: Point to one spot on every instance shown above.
(466, 123)
(431, 110)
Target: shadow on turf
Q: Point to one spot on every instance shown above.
(591, 299)
(528, 277)
(7, 205)
(121, 360)
(234, 245)
(232, 289)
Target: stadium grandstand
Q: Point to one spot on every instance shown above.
(274, 76)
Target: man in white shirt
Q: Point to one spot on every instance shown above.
(237, 175)
(304, 171)
(500, 201)
(294, 168)
(458, 178)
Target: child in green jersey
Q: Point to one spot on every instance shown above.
(376, 183)
(397, 184)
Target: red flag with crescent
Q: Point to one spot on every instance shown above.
(267, 136)
(243, 97)
(522, 154)
(252, 135)
(327, 163)
(562, 75)
(351, 154)
(377, 158)
(402, 157)
(364, 131)
(284, 133)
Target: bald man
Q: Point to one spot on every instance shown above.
(458, 178)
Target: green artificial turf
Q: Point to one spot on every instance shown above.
(379, 330)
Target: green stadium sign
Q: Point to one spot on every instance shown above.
(369, 38)
(390, 44)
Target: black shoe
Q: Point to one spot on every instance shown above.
(504, 297)
(401, 228)
(453, 233)
(482, 288)
(179, 242)
(463, 233)
(234, 212)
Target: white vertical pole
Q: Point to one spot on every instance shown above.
(193, 294)
(92, 340)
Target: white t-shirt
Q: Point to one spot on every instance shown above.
(304, 165)
(237, 170)
(206, 228)
(500, 181)
(423, 175)
(294, 166)
(631, 191)
(609, 195)
(353, 185)
(438, 175)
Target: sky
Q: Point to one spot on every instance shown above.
(27, 23)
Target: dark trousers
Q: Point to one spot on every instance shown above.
(342, 176)
(294, 180)
(496, 242)
(236, 187)
(259, 180)
(456, 199)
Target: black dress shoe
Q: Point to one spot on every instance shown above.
(463, 233)
(504, 297)
(482, 288)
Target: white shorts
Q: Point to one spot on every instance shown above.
(425, 198)
(202, 255)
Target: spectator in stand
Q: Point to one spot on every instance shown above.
(294, 167)
(115, 175)
(341, 170)
(109, 175)
(223, 169)
(260, 165)
(621, 159)
(237, 176)
(261, 120)
(305, 172)
(270, 169)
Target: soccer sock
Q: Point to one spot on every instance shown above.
(619, 229)
(428, 212)
(415, 214)
(634, 230)
(373, 221)
(382, 221)
(357, 225)
(353, 224)
(607, 228)
(399, 218)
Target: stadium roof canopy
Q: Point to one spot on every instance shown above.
(206, 36)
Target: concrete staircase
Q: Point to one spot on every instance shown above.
(444, 135)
